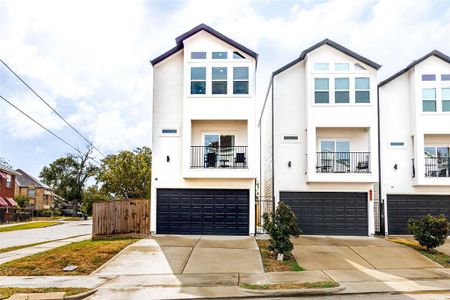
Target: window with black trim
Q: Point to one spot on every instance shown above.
(240, 80)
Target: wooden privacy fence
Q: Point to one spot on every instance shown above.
(121, 217)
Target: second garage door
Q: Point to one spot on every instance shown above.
(328, 213)
(202, 211)
(402, 207)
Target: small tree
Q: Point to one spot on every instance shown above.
(429, 231)
(22, 200)
(281, 225)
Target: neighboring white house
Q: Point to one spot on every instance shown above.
(319, 133)
(204, 142)
(415, 141)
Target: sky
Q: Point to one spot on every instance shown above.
(90, 59)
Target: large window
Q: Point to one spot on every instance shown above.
(219, 80)
(429, 99)
(321, 90)
(437, 161)
(362, 90)
(446, 99)
(198, 80)
(240, 80)
(341, 90)
(31, 193)
(8, 181)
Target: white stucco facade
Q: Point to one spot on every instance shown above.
(406, 130)
(195, 115)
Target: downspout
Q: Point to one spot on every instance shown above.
(273, 143)
(381, 204)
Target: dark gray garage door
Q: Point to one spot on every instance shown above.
(329, 213)
(402, 207)
(202, 211)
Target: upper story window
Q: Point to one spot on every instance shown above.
(445, 99)
(341, 90)
(220, 55)
(321, 66)
(198, 55)
(429, 99)
(31, 193)
(362, 90)
(198, 80)
(8, 181)
(240, 80)
(321, 90)
(219, 81)
(428, 77)
(341, 67)
(237, 55)
(445, 77)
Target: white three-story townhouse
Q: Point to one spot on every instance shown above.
(415, 141)
(319, 133)
(204, 143)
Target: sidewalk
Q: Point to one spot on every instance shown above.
(27, 251)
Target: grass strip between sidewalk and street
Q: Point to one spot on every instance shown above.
(434, 255)
(86, 255)
(31, 225)
(291, 285)
(6, 292)
(270, 262)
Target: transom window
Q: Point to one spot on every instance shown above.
(321, 66)
(198, 80)
(359, 67)
(341, 67)
(429, 99)
(362, 90)
(321, 90)
(220, 55)
(445, 77)
(219, 81)
(237, 55)
(198, 55)
(341, 90)
(428, 77)
(240, 80)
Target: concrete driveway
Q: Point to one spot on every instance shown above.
(170, 254)
(356, 253)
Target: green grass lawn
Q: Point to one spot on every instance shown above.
(270, 262)
(434, 255)
(86, 255)
(31, 225)
(5, 293)
(291, 285)
(13, 248)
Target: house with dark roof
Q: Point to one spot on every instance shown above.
(319, 137)
(40, 195)
(414, 105)
(7, 186)
(204, 138)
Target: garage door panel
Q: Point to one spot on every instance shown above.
(202, 211)
(329, 213)
(400, 208)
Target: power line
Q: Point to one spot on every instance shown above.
(46, 129)
(42, 99)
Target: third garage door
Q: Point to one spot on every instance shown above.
(329, 213)
(402, 207)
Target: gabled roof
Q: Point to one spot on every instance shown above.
(180, 45)
(8, 170)
(331, 44)
(416, 62)
(25, 180)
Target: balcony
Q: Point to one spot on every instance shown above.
(215, 157)
(343, 162)
(437, 166)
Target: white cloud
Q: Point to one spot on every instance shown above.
(90, 58)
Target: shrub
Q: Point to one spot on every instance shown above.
(281, 225)
(21, 200)
(429, 231)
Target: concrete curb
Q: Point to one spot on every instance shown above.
(80, 296)
(295, 292)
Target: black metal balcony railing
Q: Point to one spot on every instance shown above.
(219, 157)
(437, 167)
(343, 162)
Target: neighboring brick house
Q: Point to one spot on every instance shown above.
(7, 186)
(41, 196)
